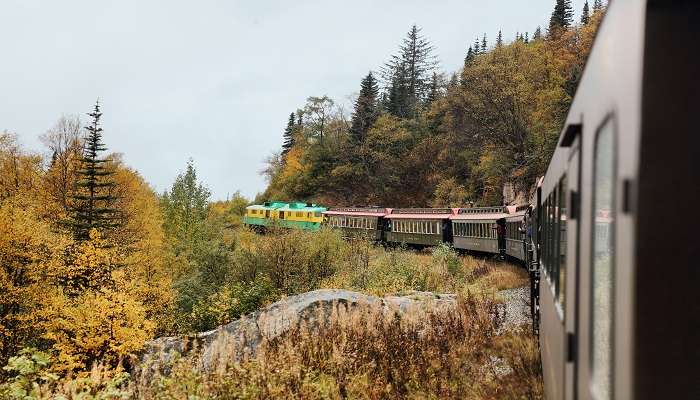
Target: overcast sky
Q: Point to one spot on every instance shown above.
(215, 80)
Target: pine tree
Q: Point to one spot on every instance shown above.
(366, 109)
(477, 47)
(288, 136)
(93, 200)
(538, 34)
(585, 14)
(499, 39)
(597, 5)
(526, 39)
(562, 16)
(483, 44)
(408, 74)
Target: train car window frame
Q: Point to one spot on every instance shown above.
(601, 386)
(545, 237)
(556, 250)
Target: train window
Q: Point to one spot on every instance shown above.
(561, 275)
(548, 236)
(556, 251)
(603, 263)
(543, 238)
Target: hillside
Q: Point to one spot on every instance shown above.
(417, 137)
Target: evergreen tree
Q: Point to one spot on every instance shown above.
(562, 16)
(288, 136)
(470, 56)
(184, 210)
(538, 34)
(526, 39)
(366, 109)
(499, 39)
(483, 44)
(435, 89)
(585, 14)
(93, 199)
(597, 5)
(397, 98)
(477, 47)
(408, 74)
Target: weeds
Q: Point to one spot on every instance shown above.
(366, 353)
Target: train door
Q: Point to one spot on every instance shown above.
(569, 270)
(267, 213)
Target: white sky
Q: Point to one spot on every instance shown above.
(215, 80)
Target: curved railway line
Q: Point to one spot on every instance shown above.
(608, 236)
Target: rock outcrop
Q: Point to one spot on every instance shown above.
(241, 338)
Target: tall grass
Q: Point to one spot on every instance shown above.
(366, 353)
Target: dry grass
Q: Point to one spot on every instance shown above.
(365, 353)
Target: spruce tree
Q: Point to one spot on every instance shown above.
(483, 44)
(477, 47)
(366, 109)
(585, 14)
(499, 39)
(470, 56)
(397, 98)
(93, 200)
(562, 16)
(597, 5)
(408, 73)
(526, 39)
(288, 136)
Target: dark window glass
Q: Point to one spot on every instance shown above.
(561, 276)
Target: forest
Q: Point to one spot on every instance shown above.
(94, 263)
(418, 137)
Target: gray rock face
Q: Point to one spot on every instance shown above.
(241, 338)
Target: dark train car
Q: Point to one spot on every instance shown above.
(357, 222)
(618, 299)
(419, 226)
(474, 229)
(516, 232)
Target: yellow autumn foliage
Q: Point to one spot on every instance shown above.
(28, 249)
(104, 326)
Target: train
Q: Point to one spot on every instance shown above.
(608, 237)
(472, 229)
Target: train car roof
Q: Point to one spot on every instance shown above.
(357, 211)
(479, 216)
(420, 213)
(285, 206)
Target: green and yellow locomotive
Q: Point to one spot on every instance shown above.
(306, 216)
